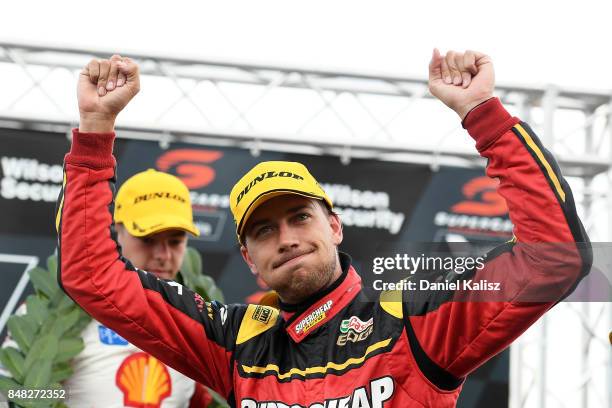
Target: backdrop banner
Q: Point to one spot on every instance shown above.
(383, 205)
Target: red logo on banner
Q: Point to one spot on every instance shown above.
(188, 165)
(483, 198)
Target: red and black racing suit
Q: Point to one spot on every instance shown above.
(336, 350)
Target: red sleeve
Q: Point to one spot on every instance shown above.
(201, 398)
(162, 318)
(454, 333)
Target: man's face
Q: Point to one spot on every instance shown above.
(291, 244)
(160, 254)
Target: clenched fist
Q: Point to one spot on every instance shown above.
(105, 87)
(461, 80)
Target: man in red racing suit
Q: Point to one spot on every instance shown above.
(330, 349)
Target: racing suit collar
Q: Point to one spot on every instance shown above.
(304, 318)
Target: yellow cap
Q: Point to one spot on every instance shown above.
(267, 180)
(151, 202)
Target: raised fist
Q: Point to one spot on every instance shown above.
(105, 87)
(461, 80)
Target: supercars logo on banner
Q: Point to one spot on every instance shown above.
(482, 209)
(194, 168)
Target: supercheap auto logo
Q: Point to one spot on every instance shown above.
(314, 317)
(482, 209)
(372, 395)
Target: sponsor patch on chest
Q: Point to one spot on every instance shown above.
(354, 330)
(109, 337)
(262, 314)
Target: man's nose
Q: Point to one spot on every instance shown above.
(288, 237)
(161, 251)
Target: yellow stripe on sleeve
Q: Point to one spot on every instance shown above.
(58, 216)
(551, 174)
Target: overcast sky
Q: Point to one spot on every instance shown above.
(531, 42)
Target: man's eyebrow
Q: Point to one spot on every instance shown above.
(262, 221)
(258, 223)
(178, 234)
(296, 208)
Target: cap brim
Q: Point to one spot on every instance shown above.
(146, 226)
(265, 197)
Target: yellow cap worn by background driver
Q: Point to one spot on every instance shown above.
(267, 180)
(151, 202)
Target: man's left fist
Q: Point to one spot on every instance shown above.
(461, 80)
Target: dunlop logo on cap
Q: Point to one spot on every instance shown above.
(262, 177)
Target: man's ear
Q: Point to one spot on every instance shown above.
(336, 226)
(119, 233)
(247, 258)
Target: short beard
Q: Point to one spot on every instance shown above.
(301, 289)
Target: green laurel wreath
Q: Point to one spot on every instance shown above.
(48, 335)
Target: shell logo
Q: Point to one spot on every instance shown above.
(144, 381)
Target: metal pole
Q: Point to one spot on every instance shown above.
(609, 239)
(585, 336)
(542, 362)
(523, 107)
(549, 105)
(516, 373)
(518, 347)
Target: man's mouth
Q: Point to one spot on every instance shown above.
(161, 274)
(290, 257)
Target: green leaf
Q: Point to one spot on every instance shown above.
(57, 298)
(43, 361)
(37, 308)
(61, 372)
(50, 322)
(79, 326)
(218, 401)
(193, 278)
(44, 348)
(13, 360)
(192, 262)
(65, 321)
(7, 384)
(52, 266)
(23, 330)
(39, 377)
(206, 287)
(65, 304)
(43, 282)
(68, 349)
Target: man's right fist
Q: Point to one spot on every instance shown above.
(461, 80)
(105, 87)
